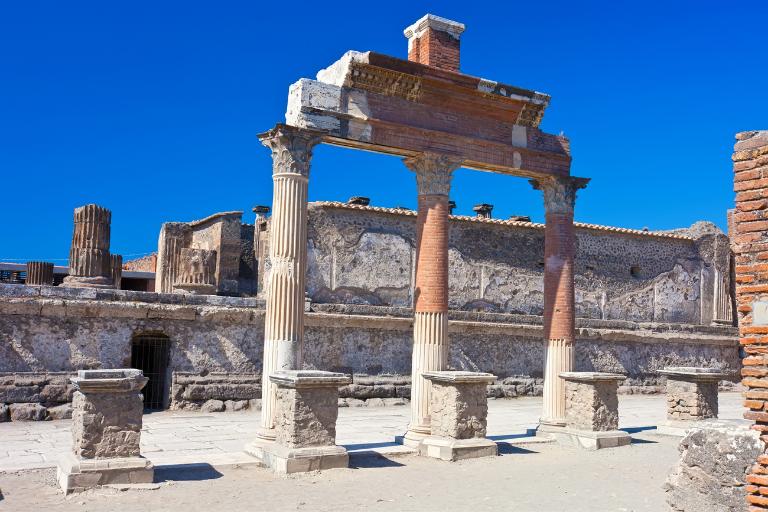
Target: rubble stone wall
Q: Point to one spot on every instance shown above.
(365, 255)
(217, 342)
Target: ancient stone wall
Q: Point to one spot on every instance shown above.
(365, 255)
(217, 342)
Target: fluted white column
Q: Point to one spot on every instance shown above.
(559, 296)
(284, 322)
(430, 322)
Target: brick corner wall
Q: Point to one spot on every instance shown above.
(749, 223)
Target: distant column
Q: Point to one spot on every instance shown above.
(284, 322)
(89, 258)
(559, 300)
(116, 267)
(430, 322)
(39, 273)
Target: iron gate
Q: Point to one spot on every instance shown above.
(149, 353)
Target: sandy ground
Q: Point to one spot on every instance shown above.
(539, 477)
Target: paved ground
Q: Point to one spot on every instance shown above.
(186, 447)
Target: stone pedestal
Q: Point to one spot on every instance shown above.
(305, 423)
(39, 273)
(591, 411)
(430, 322)
(691, 398)
(196, 272)
(458, 416)
(90, 264)
(106, 428)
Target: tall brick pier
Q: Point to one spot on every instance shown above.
(750, 245)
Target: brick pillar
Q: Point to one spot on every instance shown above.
(434, 41)
(750, 245)
(559, 307)
(284, 321)
(430, 322)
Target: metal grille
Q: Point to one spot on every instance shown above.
(149, 353)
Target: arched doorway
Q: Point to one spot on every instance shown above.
(150, 352)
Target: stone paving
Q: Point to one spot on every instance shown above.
(171, 438)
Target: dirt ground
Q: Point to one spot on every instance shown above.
(540, 477)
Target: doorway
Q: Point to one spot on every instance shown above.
(150, 353)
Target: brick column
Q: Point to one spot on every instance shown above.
(430, 322)
(284, 322)
(750, 246)
(559, 311)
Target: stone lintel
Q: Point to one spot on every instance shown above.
(588, 377)
(109, 381)
(460, 377)
(693, 373)
(309, 379)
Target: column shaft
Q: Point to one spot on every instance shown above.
(430, 323)
(284, 321)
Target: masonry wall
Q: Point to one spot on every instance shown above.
(217, 342)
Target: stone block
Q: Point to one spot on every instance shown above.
(712, 470)
(591, 412)
(60, 412)
(458, 412)
(692, 393)
(212, 406)
(106, 430)
(27, 412)
(14, 394)
(57, 393)
(4, 413)
(305, 423)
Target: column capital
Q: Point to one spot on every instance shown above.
(433, 172)
(291, 148)
(559, 192)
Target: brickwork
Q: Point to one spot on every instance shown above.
(432, 263)
(436, 49)
(559, 250)
(750, 245)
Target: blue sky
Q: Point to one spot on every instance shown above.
(151, 109)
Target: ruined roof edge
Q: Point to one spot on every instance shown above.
(501, 222)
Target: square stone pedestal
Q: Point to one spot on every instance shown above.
(107, 413)
(691, 398)
(591, 411)
(305, 423)
(458, 411)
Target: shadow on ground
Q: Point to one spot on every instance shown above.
(371, 459)
(186, 473)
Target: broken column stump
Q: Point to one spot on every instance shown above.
(691, 398)
(305, 423)
(39, 273)
(90, 263)
(458, 411)
(592, 411)
(106, 428)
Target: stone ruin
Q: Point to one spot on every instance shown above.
(90, 263)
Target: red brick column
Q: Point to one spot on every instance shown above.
(750, 245)
(559, 299)
(430, 322)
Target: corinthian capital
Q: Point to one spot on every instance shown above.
(559, 192)
(291, 148)
(433, 172)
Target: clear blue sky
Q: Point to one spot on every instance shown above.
(151, 108)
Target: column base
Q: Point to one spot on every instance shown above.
(446, 448)
(413, 437)
(266, 434)
(75, 475)
(680, 428)
(88, 282)
(587, 439)
(286, 461)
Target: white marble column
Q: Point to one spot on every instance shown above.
(430, 322)
(284, 323)
(559, 297)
